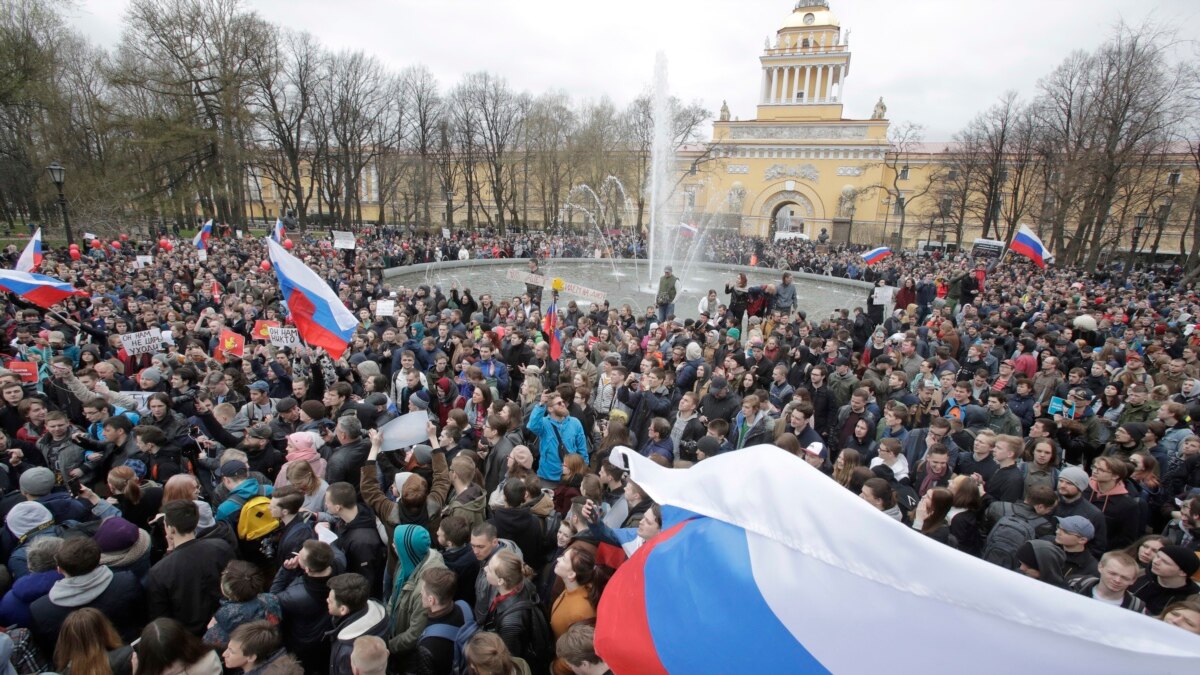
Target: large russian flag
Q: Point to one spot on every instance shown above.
(1027, 244)
(320, 316)
(769, 566)
(39, 289)
(31, 257)
(875, 255)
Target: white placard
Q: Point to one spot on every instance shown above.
(405, 430)
(285, 336)
(569, 288)
(143, 398)
(142, 342)
(385, 308)
(343, 240)
(239, 233)
(144, 261)
(202, 255)
(88, 235)
(883, 295)
(445, 233)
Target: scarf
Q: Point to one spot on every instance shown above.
(81, 590)
(930, 480)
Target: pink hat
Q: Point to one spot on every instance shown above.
(301, 440)
(523, 456)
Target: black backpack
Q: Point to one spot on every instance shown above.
(539, 650)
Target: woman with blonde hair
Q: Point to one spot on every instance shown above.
(847, 461)
(514, 608)
(138, 504)
(301, 476)
(486, 654)
(88, 644)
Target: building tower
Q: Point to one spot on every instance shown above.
(805, 68)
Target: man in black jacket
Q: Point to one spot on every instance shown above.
(346, 459)
(357, 536)
(186, 585)
(86, 583)
(304, 607)
(285, 507)
(518, 524)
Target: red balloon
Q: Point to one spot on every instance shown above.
(75, 254)
(116, 244)
(124, 237)
(287, 243)
(73, 247)
(96, 243)
(265, 265)
(164, 244)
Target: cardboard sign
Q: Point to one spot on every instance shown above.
(385, 308)
(539, 280)
(142, 261)
(262, 329)
(142, 342)
(405, 430)
(445, 233)
(230, 343)
(883, 295)
(28, 371)
(343, 240)
(284, 337)
(202, 255)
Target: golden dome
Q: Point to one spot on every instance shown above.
(811, 13)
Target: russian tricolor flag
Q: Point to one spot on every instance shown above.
(279, 233)
(201, 238)
(319, 314)
(39, 289)
(550, 327)
(875, 255)
(688, 230)
(1026, 243)
(31, 257)
(769, 566)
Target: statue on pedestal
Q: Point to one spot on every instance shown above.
(880, 110)
(724, 111)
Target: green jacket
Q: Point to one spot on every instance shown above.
(668, 287)
(406, 607)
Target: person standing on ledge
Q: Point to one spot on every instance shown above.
(534, 290)
(668, 287)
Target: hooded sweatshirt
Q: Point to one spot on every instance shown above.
(1050, 560)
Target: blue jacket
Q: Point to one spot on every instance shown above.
(230, 508)
(495, 370)
(660, 447)
(571, 431)
(14, 607)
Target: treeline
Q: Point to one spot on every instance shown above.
(204, 106)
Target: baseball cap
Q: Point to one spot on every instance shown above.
(718, 383)
(817, 449)
(1078, 525)
(260, 385)
(233, 468)
(260, 430)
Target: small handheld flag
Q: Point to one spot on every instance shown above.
(1026, 243)
(279, 233)
(31, 257)
(39, 289)
(688, 230)
(875, 255)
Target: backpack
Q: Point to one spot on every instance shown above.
(255, 527)
(1009, 534)
(459, 635)
(539, 650)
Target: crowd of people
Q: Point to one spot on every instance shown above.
(207, 508)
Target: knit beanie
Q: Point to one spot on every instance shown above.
(38, 481)
(1184, 557)
(116, 534)
(1076, 476)
(314, 409)
(26, 517)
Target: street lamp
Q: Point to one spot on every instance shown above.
(58, 175)
(449, 207)
(1139, 224)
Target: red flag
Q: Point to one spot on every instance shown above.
(231, 343)
(28, 371)
(260, 331)
(216, 291)
(550, 327)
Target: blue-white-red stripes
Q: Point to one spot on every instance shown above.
(39, 289)
(279, 232)
(321, 317)
(201, 238)
(550, 328)
(875, 255)
(688, 230)
(1027, 243)
(773, 567)
(31, 257)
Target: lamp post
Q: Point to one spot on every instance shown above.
(58, 175)
(1139, 224)
(449, 207)
(850, 224)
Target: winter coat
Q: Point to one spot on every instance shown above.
(345, 462)
(520, 526)
(117, 595)
(369, 621)
(365, 552)
(409, 615)
(14, 607)
(1122, 514)
(306, 619)
(186, 585)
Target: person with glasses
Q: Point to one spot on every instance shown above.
(558, 434)
(1107, 492)
(918, 442)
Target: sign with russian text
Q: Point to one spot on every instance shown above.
(142, 342)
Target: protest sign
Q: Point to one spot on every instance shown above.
(343, 240)
(284, 337)
(142, 342)
(385, 308)
(262, 328)
(230, 343)
(405, 430)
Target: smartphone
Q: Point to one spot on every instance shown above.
(74, 487)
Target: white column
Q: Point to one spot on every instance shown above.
(774, 82)
(765, 88)
(807, 73)
(842, 83)
(791, 84)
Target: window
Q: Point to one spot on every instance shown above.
(1173, 178)
(899, 207)
(904, 173)
(952, 175)
(1003, 177)
(946, 206)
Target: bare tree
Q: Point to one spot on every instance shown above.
(905, 150)
(686, 121)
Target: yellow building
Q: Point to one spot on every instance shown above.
(799, 166)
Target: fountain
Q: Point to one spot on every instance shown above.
(662, 160)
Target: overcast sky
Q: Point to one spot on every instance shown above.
(935, 62)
